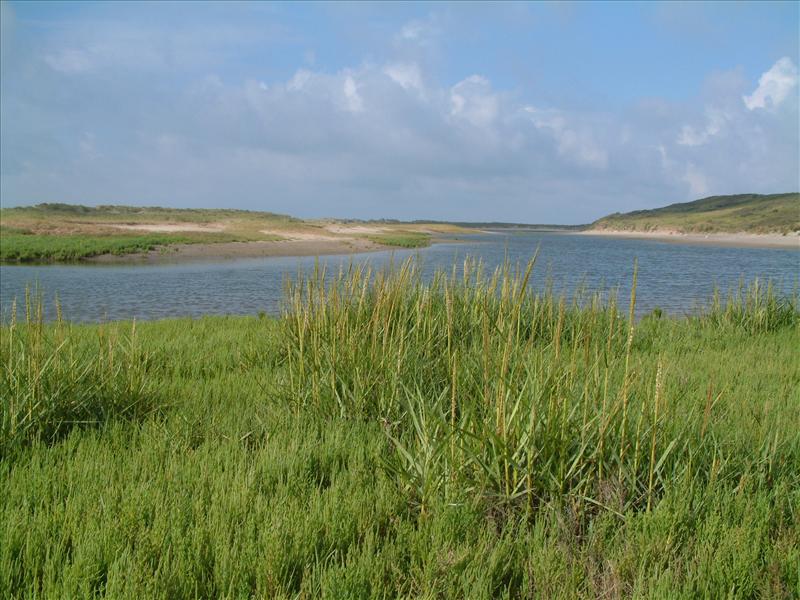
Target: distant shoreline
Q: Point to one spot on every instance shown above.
(221, 251)
(234, 250)
(736, 240)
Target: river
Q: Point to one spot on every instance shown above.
(677, 278)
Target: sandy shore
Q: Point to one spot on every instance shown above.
(742, 240)
(299, 241)
(230, 250)
(169, 227)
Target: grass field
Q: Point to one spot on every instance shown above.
(393, 438)
(753, 213)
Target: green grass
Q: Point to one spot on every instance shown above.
(392, 438)
(775, 213)
(402, 239)
(23, 247)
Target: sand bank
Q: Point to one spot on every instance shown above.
(230, 250)
(169, 227)
(305, 236)
(356, 229)
(752, 240)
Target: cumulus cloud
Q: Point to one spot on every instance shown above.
(576, 144)
(474, 101)
(406, 75)
(774, 86)
(299, 80)
(715, 122)
(353, 100)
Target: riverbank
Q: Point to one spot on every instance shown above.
(302, 244)
(736, 240)
(234, 250)
(118, 234)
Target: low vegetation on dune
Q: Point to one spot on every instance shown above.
(752, 213)
(50, 214)
(391, 436)
(65, 232)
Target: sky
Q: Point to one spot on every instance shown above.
(535, 113)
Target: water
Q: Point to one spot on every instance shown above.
(675, 277)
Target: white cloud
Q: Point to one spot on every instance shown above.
(406, 75)
(698, 183)
(715, 121)
(299, 80)
(473, 100)
(773, 86)
(353, 100)
(690, 137)
(576, 144)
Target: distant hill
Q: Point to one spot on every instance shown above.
(753, 213)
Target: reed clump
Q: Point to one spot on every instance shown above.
(53, 379)
(491, 392)
(755, 308)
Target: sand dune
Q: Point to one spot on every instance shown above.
(303, 236)
(356, 229)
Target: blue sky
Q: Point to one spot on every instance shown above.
(540, 112)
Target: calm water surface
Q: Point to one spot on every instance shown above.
(675, 277)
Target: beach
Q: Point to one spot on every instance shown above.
(232, 250)
(738, 240)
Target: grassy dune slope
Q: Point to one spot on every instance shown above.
(63, 232)
(753, 213)
(462, 438)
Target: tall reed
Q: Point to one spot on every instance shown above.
(52, 380)
(543, 399)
